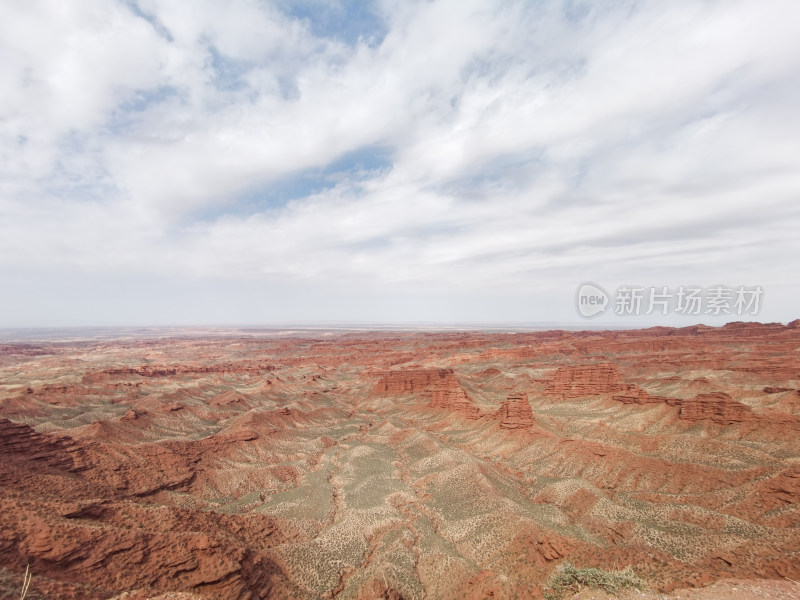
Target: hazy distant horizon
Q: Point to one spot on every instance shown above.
(102, 333)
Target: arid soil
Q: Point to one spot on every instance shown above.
(402, 465)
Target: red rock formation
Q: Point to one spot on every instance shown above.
(131, 415)
(21, 442)
(749, 328)
(713, 407)
(450, 396)
(490, 372)
(409, 381)
(228, 399)
(584, 380)
(155, 370)
(447, 393)
(717, 407)
(633, 394)
(515, 412)
(441, 386)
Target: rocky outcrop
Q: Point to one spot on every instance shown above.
(450, 396)
(21, 442)
(490, 372)
(750, 328)
(94, 542)
(446, 393)
(410, 381)
(440, 386)
(156, 370)
(717, 407)
(231, 398)
(584, 380)
(713, 407)
(633, 394)
(515, 412)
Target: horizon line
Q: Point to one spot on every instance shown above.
(45, 333)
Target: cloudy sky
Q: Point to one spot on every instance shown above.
(201, 162)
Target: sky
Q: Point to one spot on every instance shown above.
(165, 162)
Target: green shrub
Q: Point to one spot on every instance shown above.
(569, 578)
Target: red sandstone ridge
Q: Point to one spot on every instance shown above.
(716, 407)
(22, 442)
(440, 385)
(449, 395)
(150, 370)
(633, 394)
(515, 412)
(584, 380)
(407, 381)
(777, 390)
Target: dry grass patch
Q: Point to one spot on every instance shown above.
(571, 579)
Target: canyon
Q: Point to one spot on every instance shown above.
(399, 464)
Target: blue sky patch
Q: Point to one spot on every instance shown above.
(347, 21)
(158, 26)
(129, 112)
(356, 166)
(141, 100)
(228, 71)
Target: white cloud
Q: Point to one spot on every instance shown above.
(532, 145)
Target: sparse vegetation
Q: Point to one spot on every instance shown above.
(571, 579)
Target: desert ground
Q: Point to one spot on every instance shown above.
(402, 464)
